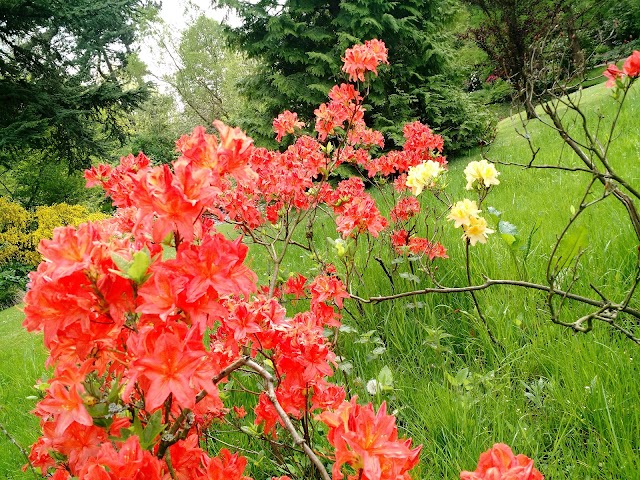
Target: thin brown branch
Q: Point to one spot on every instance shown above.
(298, 440)
(494, 340)
(23, 452)
(490, 283)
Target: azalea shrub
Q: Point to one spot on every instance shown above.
(159, 332)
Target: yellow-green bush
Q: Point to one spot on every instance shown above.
(15, 238)
(21, 230)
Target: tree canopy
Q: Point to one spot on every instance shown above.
(537, 45)
(207, 73)
(63, 79)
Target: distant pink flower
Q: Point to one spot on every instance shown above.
(612, 73)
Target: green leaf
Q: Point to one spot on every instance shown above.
(365, 337)
(347, 329)
(494, 212)
(99, 410)
(138, 269)
(120, 262)
(508, 228)
(346, 367)
(385, 378)
(152, 430)
(114, 393)
(168, 252)
(571, 246)
(250, 430)
(509, 239)
(409, 276)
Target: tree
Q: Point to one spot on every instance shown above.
(537, 45)
(156, 126)
(207, 73)
(64, 86)
(299, 46)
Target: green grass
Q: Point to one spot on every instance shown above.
(567, 400)
(22, 359)
(570, 401)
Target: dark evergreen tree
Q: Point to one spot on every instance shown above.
(63, 81)
(299, 44)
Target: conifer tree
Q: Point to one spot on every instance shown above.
(63, 81)
(299, 43)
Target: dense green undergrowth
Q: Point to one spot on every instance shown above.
(567, 400)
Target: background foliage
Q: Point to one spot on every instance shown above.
(64, 84)
(298, 46)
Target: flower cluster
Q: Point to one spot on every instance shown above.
(364, 58)
(481, 174)
(421, 145)
(368, 442)
(403, 243)
(145, 313)
(343, 111)
(424, 175)
(406, 208)
(465, 214)
(631, 69)
(285, 123)
(499, 463)
(356, 211)
(149, 313)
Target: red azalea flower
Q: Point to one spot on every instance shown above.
(286, 122)
(613, 73)
(631, 66)
(499, 463)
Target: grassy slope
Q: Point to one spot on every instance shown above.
(21, 363)
(567, 400)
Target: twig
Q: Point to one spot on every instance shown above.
(386, 272)
(24, 453)
(298, 440)
(490, 283)
(494, 340)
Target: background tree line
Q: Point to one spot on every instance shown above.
(73, 90)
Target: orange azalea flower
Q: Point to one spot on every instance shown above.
(66, 407)
(226, 466)
(362, 58)
(286, 122)
(326, 288)
(169, 367)
(631, 66)
(295, 286)
(499, 463)
(612, 73)
(368, 442)
(129, 461)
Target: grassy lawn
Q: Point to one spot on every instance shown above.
(21, 364)
(569, 401)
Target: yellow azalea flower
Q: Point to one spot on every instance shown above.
(463, 211)
(423, 176)
(477, 230)
(483, 172)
